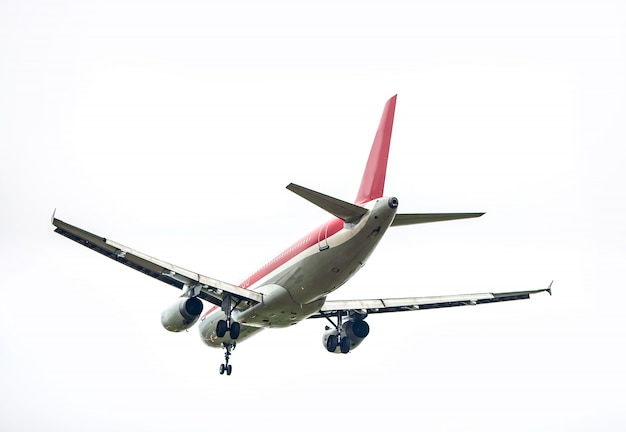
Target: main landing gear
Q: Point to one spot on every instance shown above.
(343, 343)
(228, 325)
(338, 340)
(223, 326)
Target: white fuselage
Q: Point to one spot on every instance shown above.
(298, 287)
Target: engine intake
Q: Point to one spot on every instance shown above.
(182, 315)
(357, 330)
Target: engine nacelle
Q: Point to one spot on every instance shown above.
(182, 315)
(356, 330)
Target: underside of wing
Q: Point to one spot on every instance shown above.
(209, 289)
(372, 306)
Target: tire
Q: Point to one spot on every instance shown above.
(229, 369)
(345, 345)
(220, 329)
(331, 343)
(235, 329)
(222, 369)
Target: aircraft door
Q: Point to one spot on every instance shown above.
(322, 238)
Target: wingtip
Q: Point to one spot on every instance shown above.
(549, 289)
(52, 218)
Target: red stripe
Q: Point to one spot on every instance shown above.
(315, 237)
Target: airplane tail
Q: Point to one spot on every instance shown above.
(373, 182)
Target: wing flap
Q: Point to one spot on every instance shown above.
(211, 290)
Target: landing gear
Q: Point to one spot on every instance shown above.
(235, 329)
(221, 329)
(348, 330)
(332, 343)
(344, 345)
(225, 367)
(339, 339)
(228, 325)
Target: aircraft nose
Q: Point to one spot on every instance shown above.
(393, 202)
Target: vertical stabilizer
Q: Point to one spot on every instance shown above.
(373, 182)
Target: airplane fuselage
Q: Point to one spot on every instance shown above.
(295, 283)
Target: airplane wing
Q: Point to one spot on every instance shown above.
(372, 306)
(209, 289)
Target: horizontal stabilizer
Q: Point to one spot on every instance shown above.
(418, 218)
(343, 210)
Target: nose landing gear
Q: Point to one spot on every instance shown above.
(225, 367)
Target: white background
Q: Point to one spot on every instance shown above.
(173, 127)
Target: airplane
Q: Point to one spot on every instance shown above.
(294, 285)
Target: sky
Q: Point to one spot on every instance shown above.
(174, 127)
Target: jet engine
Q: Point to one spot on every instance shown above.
(182, 315)
(353, 332)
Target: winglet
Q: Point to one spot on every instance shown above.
(373, 181)
(549, 289)
(52, 218)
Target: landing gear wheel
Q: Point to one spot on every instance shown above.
(235, 329)
(345, 345)
(225, 367)
(331, 343)
(221, 328)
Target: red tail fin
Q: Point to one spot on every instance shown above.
(373, 182)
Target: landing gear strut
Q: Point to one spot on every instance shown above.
(228, 325)
(338, 340)
(225, 367)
